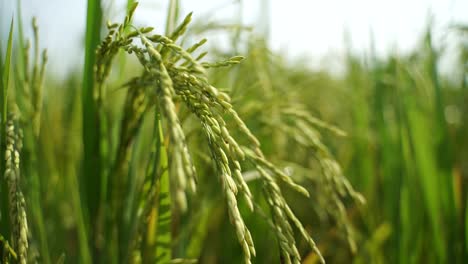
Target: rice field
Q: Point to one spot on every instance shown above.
(163, 149)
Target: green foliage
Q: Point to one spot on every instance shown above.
(93, 180)
(181, 160)
(5, 227)
(409, 174)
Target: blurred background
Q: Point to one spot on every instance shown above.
(319, 30)
(391, 74)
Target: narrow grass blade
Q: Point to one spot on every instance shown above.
(5, 80)
(158, 241)
(163, 233)
(466, 230)
(91, 181)
(130, 4)
(172, 16)
(20, 51)
(6, 75)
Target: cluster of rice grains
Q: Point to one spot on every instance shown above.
(29, 100)
(171, 75)
(16, 201)
(334, 186)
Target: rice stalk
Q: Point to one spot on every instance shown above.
(18, 220)
(30, 98)
(166, 81)
(92, 180)
(135, 107)
(5, 218)
(156, 202)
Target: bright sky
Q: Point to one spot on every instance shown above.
(298, 27)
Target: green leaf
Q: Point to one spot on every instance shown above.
(5, 80)
(92, 174)
(158, 240)
(172, 16)
(6, 74)
(164, 216)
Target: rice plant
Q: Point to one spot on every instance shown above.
(128, 195)
(167, 150)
